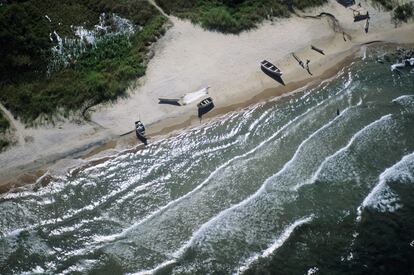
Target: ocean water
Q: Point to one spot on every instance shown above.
(281, 187)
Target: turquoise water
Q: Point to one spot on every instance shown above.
(282, 187)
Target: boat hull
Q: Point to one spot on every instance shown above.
(140, 132)
(202, 110)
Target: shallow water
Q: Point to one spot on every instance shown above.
(283, 187)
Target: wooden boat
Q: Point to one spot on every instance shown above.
(140, 131)
(205, 106)
(317, 49)
(270, 68)
(346, 3)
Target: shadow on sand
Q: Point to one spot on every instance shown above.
(274, 76)
(169, 103)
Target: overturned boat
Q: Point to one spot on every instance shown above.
(140, 131)
(270, 68)
(205, 106)
(186, 98)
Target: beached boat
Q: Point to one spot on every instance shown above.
(360, 17)
(140, 131)
(346, 3)
(270, 68)
(205, 106)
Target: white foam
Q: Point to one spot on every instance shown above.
(381, 197)
(343, 149)
(275, 244)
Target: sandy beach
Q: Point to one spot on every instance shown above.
(186, 59)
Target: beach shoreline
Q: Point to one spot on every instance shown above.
(104, 136)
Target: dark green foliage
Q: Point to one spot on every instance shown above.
(404, 12)
(99, 74)
(3, 144)
(232, 16)
(24, 36)
(387, 4)
(4, 125)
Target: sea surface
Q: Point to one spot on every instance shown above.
(286, 186)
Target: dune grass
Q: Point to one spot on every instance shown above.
(233, 16)
(4, 126)
(404, 12)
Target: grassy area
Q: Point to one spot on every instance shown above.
(232, 16)
(100, 73)
(4, 126)
(404, 12)
(386, 4)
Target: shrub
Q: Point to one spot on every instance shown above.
(100, 74)
(404, 12)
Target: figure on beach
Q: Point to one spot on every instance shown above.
(307, 66)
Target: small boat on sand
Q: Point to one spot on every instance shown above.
(359, 17)
(205, 106)
(270, 68)
(140, 131)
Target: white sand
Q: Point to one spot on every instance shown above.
(189, 58)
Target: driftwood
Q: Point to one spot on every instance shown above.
(298, 60)
(317, 49)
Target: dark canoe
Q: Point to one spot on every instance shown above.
(346, 3)
(361, 17)
(205, 106)
(140, 131)
(272, 71)
(270, 68)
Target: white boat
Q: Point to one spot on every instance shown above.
(410, 61)
(397, 66)
(404, 63)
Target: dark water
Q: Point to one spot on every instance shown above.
(283, 187)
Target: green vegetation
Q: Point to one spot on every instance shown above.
(4, 126)
(404, 12)
(386, 4)
(100, 73)
(232, 16)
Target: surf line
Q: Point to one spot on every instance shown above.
(343, 149)
(224, 165)
(203, 227)
(269, 250)
(382, 183)
(278, 242)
